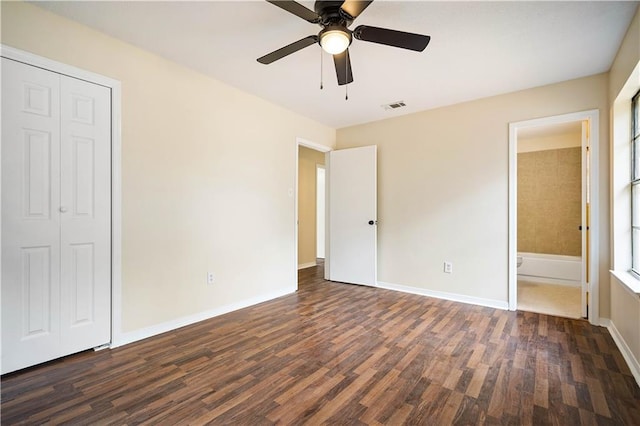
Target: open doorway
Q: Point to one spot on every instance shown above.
(309, 206)
(308, 162)
(549, 203)
(351, 213)
(552, 205)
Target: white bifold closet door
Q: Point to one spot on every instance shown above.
(56, 215)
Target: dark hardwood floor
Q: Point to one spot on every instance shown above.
(342, 354)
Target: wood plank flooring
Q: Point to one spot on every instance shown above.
(341, 354)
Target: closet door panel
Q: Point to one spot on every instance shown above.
(30, 215)
(86, 221)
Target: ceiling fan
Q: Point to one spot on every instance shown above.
(335, 17)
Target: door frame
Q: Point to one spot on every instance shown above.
(324, 214)
(317, 147)
(592, 117)
(116, 178)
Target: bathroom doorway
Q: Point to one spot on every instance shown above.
(550, 212)
(549, 219)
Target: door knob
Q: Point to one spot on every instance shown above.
(373, 222)
(63, 209)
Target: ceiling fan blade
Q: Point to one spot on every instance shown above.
(354, 8)
(394, 38)
(297, 9)
(288, 50)
(343, 67)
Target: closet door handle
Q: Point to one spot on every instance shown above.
(580, 228)
(62, 209)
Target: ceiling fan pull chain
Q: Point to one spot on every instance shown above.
(346, 72)
(321, 56)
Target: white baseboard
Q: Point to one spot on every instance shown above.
(627, 354)
(307, 265)
(497, 304)
(134, 336)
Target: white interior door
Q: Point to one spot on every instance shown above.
(56, 203)
(351, 252)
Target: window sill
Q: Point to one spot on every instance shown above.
(632, 283)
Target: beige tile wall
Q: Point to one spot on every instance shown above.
(549, 201)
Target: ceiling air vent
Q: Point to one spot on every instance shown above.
(394, 105)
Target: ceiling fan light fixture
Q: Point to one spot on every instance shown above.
(335, 40)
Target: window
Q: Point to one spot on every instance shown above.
(635, 183)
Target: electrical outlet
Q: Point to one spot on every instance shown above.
(448, 267)
(210, 278)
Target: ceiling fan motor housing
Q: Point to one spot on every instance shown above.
(332, 13)
(334, 21)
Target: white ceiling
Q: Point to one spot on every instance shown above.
(477, 49)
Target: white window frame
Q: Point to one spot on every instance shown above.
(634, 186)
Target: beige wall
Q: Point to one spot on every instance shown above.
(624, 82)
(625, 315)
(206, 175)
(626, 60)
(443, 187)
(308, 159)
(550, 201)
